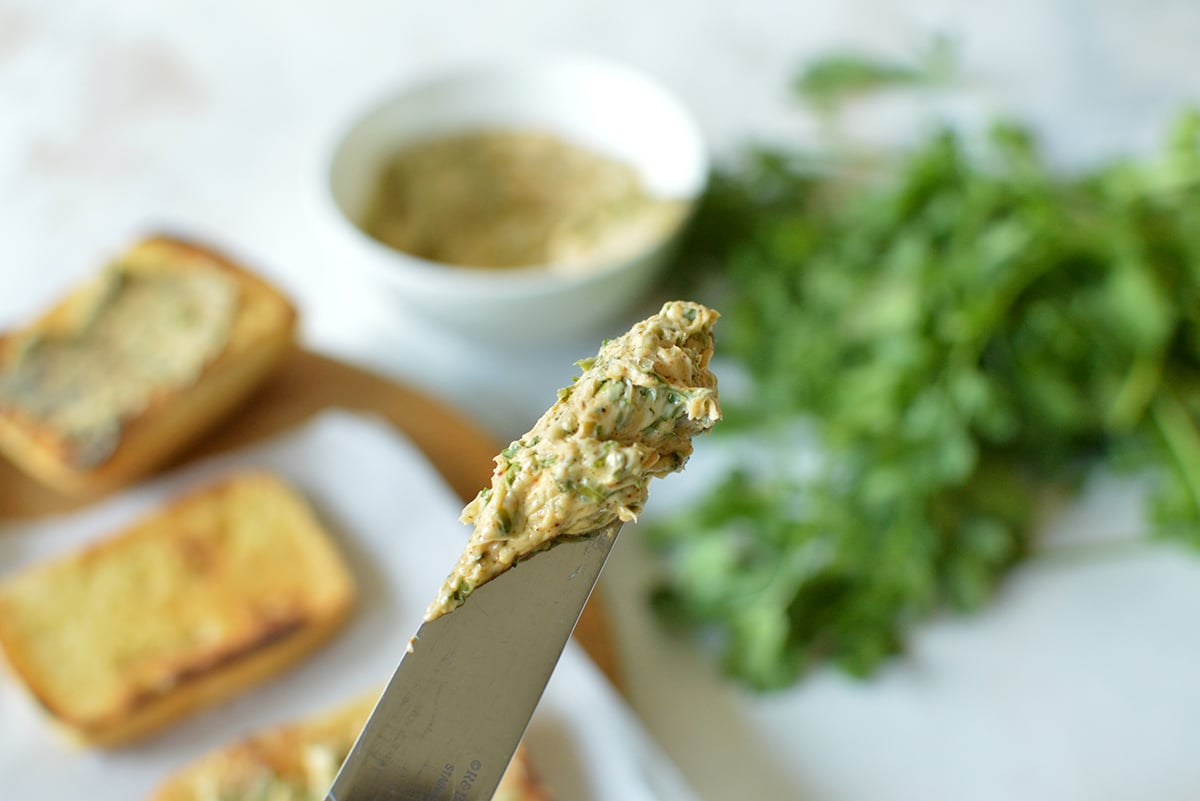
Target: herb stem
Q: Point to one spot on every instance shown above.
(1179, 436)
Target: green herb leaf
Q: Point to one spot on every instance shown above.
(843, 75)
(962, 331)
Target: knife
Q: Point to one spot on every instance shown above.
(449, 721)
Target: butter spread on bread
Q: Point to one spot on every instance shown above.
(219, 589)
(298, 761)
(143, 333)
(587, 462)
(137, 362)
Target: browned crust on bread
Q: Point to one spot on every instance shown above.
(261, 635)
(193, 670)
(521, 781)
(262, 332)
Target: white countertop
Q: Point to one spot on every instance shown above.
(210, 119)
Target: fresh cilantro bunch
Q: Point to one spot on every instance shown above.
(963, 333)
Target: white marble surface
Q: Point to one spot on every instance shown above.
(211, 119)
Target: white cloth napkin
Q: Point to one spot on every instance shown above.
(397, 523)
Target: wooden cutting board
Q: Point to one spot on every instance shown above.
(306, 384)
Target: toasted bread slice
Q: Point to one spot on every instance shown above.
(220, 589)
(297, 762)
(135, 364)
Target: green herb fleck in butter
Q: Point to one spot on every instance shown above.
(587, 462)
(143, 333)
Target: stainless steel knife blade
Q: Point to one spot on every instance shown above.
(450, 719)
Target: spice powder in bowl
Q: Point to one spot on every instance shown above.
(515, 197)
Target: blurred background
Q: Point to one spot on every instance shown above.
(217, 120)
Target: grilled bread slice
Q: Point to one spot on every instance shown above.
(297, 762)
(136, 363)
(219, 589)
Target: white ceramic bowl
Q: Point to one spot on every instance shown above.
(610, 108)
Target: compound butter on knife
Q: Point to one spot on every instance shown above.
(588, 461)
